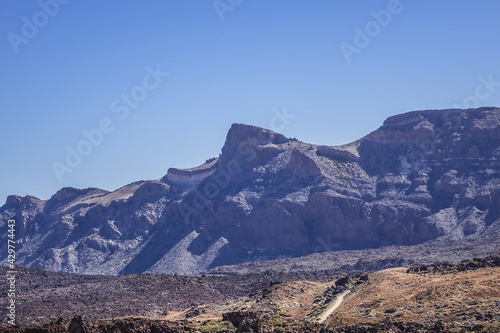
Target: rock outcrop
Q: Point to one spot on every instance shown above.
(188, 178)
(421, 176)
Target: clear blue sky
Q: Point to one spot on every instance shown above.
(72, 71)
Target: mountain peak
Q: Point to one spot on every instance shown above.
(16, 200)
(243, 139)
(437, 116)
(239, 132)
(421, 176)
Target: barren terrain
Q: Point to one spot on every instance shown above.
(447, 297)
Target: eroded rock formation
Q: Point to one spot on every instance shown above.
(421, 176)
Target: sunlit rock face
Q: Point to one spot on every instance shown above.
(188, 178)
(421, 176)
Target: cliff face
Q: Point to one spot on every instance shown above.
(422, 175)
(185, 179)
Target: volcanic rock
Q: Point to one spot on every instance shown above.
(421, 176)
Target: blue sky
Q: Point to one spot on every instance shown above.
(68, 67)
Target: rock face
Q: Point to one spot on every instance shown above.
(187, 178)
(422, 175)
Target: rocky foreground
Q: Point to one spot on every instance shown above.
(446, 297)
(246, 322)
(421, 176)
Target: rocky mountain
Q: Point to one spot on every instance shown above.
(421, 176)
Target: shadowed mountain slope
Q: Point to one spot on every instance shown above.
(421, 176)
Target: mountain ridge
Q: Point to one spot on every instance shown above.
(422, 175)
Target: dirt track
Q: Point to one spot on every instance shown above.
(333, 306)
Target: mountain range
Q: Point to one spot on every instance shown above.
(422, 176)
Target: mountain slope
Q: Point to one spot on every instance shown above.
(421, 176)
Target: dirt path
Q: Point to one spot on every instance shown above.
(334, 305)
(171, 315)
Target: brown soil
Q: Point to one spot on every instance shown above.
(461, 297)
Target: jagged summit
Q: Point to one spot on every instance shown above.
(258, 135)
(17, 201)
(423, 175)
(242, 139)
